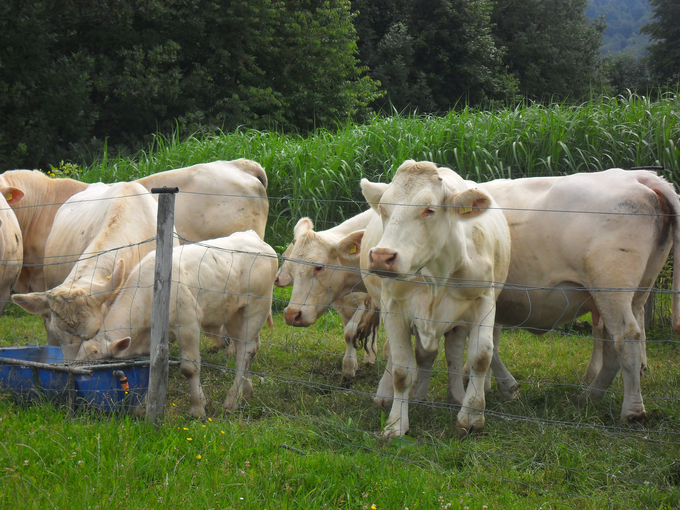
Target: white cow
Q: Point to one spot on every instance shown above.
(215, 200)
(42, 198)
(443, 253)
(583, 243)
(591, 242)
(220, 284)
(97, 234)
(11, 245)
(313, 264)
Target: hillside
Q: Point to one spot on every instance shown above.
(624, 19)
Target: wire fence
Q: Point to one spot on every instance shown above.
(550, 437)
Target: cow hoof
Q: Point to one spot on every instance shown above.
(512, 393)
(635, 417)
(214, 349)
(469, 423)
(382, 401)
(197, 413)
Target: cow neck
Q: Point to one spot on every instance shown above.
(450, 259)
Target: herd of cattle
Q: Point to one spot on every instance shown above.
(434, 256)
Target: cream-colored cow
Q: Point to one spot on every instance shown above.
(443, 252)
(314, 264)
(219, 284)
(215, 199)
(96, 235)
(582, 243)
(11, 245)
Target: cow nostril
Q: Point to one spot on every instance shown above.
(391, 260)
(298, 316)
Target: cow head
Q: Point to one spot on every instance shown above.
(283, 277)
(316, 272)
(74, 312)
(100, 348)
(418, 211)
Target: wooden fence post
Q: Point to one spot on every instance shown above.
(160, 315)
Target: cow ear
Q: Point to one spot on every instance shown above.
(470, 203)
(349, 247)
(106, 292)
(12, 194)
(303, 226)
(36, 303)
(118, 346)
(373, 192)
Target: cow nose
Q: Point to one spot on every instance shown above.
(292, 316)
(382, 259)
(277, 282)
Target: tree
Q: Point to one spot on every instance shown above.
(664, 30)
(551, 46)
(431, 55)
(74, 71)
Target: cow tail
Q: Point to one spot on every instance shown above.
(368, 325)
(675, 211)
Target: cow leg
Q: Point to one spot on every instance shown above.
(189, 340)
(507, 384)
(627, 340)
(385, 391)
(218, 338)
(480, 353)
(608, 370)
(350, 365)
(639, 311)
(599, 335)
(454, 347)
(424, 361)
(403, 373)
(246, 337)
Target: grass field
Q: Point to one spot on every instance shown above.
(307, 439)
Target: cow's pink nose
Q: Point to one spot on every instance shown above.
(277, 282)
(382, 259)
(292, 316)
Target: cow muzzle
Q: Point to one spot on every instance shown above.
(293, 317)
(382, 260)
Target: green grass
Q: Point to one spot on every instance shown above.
(308, 441)
(318, 175)
(305, 441)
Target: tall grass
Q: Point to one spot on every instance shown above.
(318, 175)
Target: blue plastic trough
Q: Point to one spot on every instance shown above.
(38, 371)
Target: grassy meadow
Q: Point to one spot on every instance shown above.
(310, 440)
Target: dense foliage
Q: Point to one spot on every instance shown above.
(74, 71)
(552, 48)
(664, 30)
(624, 19)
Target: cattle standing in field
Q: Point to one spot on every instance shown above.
(215, 200)
(96, 235)
(222, 284)
(594, 243)
(313, 266)
(443, 251)
(11, 245)
(582, 243)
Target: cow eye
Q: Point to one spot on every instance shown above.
(429, 211)
(318, 269)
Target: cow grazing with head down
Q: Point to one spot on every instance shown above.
(219, 285)
(442, 249)
(96, 235)
(314, 265)
(215, 199)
